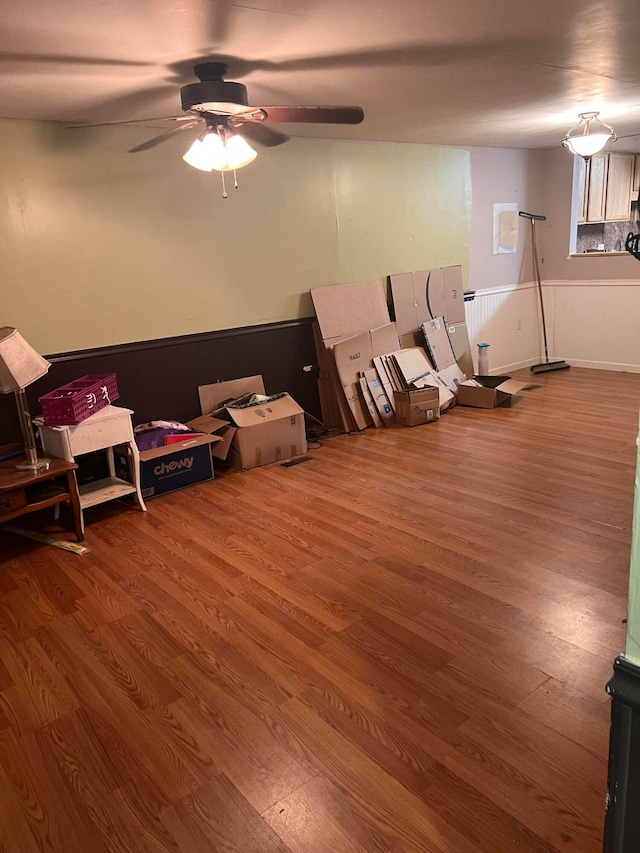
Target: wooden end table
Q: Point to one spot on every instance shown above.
(22, 492)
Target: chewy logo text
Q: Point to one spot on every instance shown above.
(170, 467)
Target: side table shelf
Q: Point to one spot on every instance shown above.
(109, 427)
(23, 492)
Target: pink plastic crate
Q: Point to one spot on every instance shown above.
(78, 400)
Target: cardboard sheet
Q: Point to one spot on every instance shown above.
(426, 294)
(413, 364)
(212, 396)
(353, 356)
(371, 406)
(438, 344)
(380, 396)
(344, 310)
(459, 337)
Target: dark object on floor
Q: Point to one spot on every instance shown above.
(297, 461)
(545, 366)
(632, 245)
(532, 387)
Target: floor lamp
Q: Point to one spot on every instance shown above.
(20, 365)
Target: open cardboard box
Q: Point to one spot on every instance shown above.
(487, 392)
(251, 434)
(165, 469)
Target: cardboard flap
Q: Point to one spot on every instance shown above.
(208, 424)
(178, 447)
(346, 309)
(262, 413)
(384, 339)
(352, 356)
(412, 363)
(511, 386)
(211, 396)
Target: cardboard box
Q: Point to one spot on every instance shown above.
(417, 407)
(487, 392)
(254, 434)
(165, 469)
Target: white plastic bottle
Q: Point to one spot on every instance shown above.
(483, 359)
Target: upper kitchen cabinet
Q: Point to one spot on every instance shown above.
(607, 187)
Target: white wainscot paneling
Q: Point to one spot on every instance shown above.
(507, 318)
(595, 323)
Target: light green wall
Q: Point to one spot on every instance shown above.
(633, 624)
(102, 247)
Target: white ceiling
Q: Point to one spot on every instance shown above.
(461, 72)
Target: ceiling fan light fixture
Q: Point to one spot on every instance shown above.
(239, 152)
(591, 136)
(198, 156)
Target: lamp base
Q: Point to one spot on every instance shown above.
(33, 466)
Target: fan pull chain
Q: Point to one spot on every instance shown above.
(224, 189)
(235, 179)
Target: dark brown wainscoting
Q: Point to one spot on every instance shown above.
(160, 378)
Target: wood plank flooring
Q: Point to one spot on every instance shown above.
(401, 646)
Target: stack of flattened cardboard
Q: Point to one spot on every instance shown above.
(365, 364)
(345, 311)
(419, 297)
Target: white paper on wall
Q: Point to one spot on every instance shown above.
(505, 228)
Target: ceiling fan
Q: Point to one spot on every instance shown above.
(221, 108)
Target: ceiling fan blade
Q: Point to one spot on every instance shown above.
(266, 136)
(132, 121)
(51, 59)
(157, 140)
(322, 115)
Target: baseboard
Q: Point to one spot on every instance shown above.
(602, 365)
(518, 365)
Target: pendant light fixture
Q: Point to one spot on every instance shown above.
(589, 136)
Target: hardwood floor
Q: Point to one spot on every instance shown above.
(402, 645)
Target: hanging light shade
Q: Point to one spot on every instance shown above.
(239, 152)
(219, 150)
(207, 152)
(589, 136)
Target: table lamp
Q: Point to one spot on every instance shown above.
(20, 365)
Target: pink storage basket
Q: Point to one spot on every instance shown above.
(78, 400)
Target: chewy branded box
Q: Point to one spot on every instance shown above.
(421, 406)
(164, 469)
(264, 432)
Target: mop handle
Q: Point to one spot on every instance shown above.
(532, 218)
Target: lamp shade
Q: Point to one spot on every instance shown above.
(20, 364)
(589, 136)
(239, 153)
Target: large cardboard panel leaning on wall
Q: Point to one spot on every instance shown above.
(344, 310)
(263, 432)
(419, 297)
